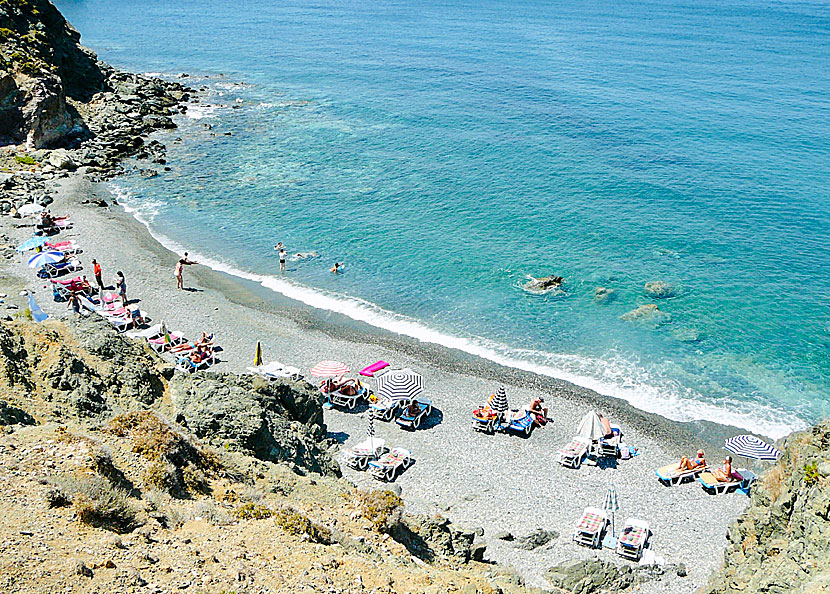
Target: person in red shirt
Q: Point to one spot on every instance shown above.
(96, 270)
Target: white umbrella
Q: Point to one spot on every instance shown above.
(30, 209)
(43, 258)
(590, 427)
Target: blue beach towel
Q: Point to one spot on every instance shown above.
(37, 313)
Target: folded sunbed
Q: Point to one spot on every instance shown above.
(390, 464)
(573, 453)
(742, 479)
(588, 530)
(359, 456)
(671, 475)
(633, 539)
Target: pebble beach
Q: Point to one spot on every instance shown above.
(501, 483)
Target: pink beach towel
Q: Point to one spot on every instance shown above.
(371, 369)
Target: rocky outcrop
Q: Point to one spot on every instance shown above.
(281, 421)
(780, 544)
(11, 415)
(647, 315)
(427, 537)
(660, 289)
(544, 284)
(596, 576)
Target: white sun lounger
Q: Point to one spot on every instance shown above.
(588, 530)
(358, 457)
(276, 370)
(390, 464)
(146, 334)
(633, 539)
(573, 453)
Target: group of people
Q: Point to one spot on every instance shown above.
(282, 252)
(723, 474)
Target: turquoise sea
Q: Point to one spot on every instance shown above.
(445, 150)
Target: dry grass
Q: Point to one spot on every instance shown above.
(383, 509)
(293, 522)
(95, 500)
(774, 482)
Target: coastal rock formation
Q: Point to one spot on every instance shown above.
(660, 289)
(595, 576)
(648, 314)
(544, 284)
(603, 294)
(428, 536)
(280, 421)
(780, 543)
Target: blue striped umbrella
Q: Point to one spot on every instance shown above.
(32, 243)
(611, 504)
(44, 258)
(750, 446)
(400, 384)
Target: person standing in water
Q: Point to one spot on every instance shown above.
(336, 267)
(96, 271)
(183, 261)
(282, 253)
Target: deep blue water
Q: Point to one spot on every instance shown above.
(446, 150)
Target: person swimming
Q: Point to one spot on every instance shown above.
(336, 268)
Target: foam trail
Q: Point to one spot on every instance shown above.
(610, 378)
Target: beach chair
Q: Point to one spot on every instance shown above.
(153, 331)
(359, 456)
(485, 419)
(121, 323)
(633, 539)
(58, 268)
(671, 475)
(185, 364)
(610, 446)
(276, 370)
(573, 453)
(63, 289)
(588, 531)
(742, 480)
(159, 344)
(390, 464)
(386, 408)
(67, 247)
(346, 395)
(520, 421)
(411, 419)
(371, 370)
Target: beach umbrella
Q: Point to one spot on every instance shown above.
(371, 430)
(612, 505)
(258, 355)
(750, 446)
(590, 427)
(32, 243)
(29, 209)
(38, 314)
(43, 258)
(400, 384)
(329, 369)
(499, 403)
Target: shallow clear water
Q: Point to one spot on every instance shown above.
(446, 150)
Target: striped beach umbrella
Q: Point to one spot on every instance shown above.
(258, 354)
(400, 384)
(499, 403)
(43, 258)
(329, 369)
(750, 446)
(371, 430)
(32, 243)
(612, 505)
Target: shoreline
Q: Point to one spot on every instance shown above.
(444, 479)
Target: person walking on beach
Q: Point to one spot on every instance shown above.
(96, 271)
(282, 253)
(183, 261)
(121, 287)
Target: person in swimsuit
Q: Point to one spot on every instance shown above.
(336, 267)
(183, 261)
(121, 286)
(724, 475)
(699, 461)
(539, 412)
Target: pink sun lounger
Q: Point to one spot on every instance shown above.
(374, 367)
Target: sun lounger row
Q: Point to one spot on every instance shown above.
(741, 479)
(276, 370)
(631, 542)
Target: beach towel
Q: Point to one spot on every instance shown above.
(625, 452)
(632, 535)
(590, 523)
(37, 314)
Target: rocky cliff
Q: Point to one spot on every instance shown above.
(780, 544)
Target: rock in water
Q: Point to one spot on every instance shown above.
(648, 314)
(544, 284)
(603, 294)
(660, 289)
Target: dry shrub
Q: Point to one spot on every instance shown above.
(96, 501)
(293, 522)
(383, 509)
(162, 475)
(253, 511)
(774, 482)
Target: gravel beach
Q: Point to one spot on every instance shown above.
(501, 483)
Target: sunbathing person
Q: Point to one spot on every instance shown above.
(724, 474)
(698, 462)
(199, 355)
(539, 412)
(349, 388)
(413, 409)
(606, 426)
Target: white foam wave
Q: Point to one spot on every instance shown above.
(617, 377)
(198, 111)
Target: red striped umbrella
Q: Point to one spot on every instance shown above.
(329, 369)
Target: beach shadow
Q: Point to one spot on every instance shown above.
(338, 436)
(606, 462)
(435, 418)
(192, 290)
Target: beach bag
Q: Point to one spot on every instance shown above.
(624, 453)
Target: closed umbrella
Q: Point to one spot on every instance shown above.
(750, 446)
(400, 384)
(43, 258)
(612, 505)
(499, 403)
(32, 243)
(258, 355)
(371, 430)
(329, 369)
(29, 209)
(590, 427)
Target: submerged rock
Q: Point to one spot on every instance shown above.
(603, 294)
(648, 314)
(544, 284)
(660, 289)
